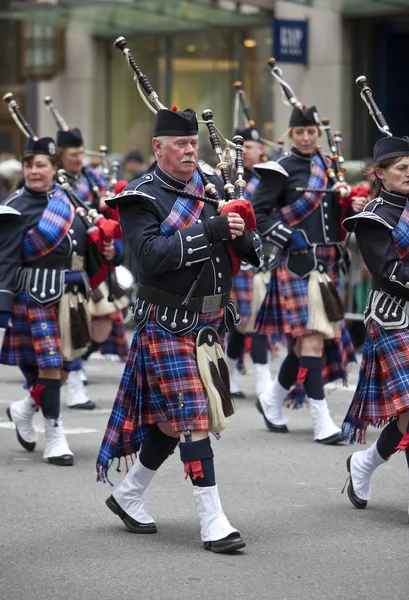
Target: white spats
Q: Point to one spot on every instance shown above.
(363, 464)
(271, 402)
(129, 493)
(75, 389)
(21, 413)
(56, 442)
(232, 367)
(214, 523)
(264, 380)
(324, 426)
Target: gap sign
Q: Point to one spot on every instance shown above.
(290, 41)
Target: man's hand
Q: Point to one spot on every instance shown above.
(236, 225)
(109, 252)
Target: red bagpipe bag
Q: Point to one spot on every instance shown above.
(243, 208)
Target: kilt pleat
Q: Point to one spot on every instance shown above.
(116, 343)
(160, 383)
(35, 338)
(242, 292)
(382, 392)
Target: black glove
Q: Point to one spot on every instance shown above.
(217, 229)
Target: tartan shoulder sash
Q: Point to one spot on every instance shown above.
(185, 211)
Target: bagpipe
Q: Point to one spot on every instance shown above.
(100, 231)
(235, 203)
(336, 171)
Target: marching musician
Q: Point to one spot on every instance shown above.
(180, 247)
(43, 296)
(304, 227)
(243, 285)
(382, 394)
(107, 319)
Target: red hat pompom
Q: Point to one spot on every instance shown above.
(174, 108)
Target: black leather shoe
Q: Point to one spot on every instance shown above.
(130, 523)
(271, 426)
(231, 543)
(331, 440)
(65, 460)
(84, 406)
(357, 502)
(29, 446)
(238, 394)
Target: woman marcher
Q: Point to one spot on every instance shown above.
(303, 228)
(382, 394)
(41, 269)
(107, 319)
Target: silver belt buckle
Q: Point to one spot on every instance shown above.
(212, 303)
(77, 263)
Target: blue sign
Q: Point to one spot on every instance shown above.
(290, 41)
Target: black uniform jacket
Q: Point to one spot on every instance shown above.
(276, 191)
(373, 228)
(13, 278)
(172, 264)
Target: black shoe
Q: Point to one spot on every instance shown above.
(228, 544)
(130, 523)
(29, 446)
(90, 405)
(271, 426)
(357, 502)
(65, 460)
(238, 394)
(331, 440)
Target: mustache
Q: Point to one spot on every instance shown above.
(189, 159)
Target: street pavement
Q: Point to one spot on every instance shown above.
(305, 541)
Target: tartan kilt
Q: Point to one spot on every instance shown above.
(382, 392)
(35, 338)
(242, 293)
(160, 383)
(284, 311)
(116, 343)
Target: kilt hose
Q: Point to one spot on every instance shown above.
(35, 337)
(284, 316)
(160, 383)
(382, 393)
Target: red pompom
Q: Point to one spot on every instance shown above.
(304, 106)
(174, 108)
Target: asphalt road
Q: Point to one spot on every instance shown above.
(305, 541)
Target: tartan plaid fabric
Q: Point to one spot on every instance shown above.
(35, 337)
(284, 315)
(185, 211)
(51, 228)
(400, 234)
(117, 343)
(251, 187)
(382, 392)
(242, 292)
(160, 383)
(83, 188)
(297, 211)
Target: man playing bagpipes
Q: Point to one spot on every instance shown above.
(106, 317)
(175, 387)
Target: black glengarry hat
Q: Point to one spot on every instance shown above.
(249, 134)
(70, 139)
(304, 117)
(390, 147)
(174, 122)
(45, 145)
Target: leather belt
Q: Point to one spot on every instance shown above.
(71, 263)
(203, 304)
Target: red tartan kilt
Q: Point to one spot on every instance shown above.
(285, 308)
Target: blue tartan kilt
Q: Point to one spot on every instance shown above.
(160, 382)
(382, 392)
(35, 337)
(242, 292)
